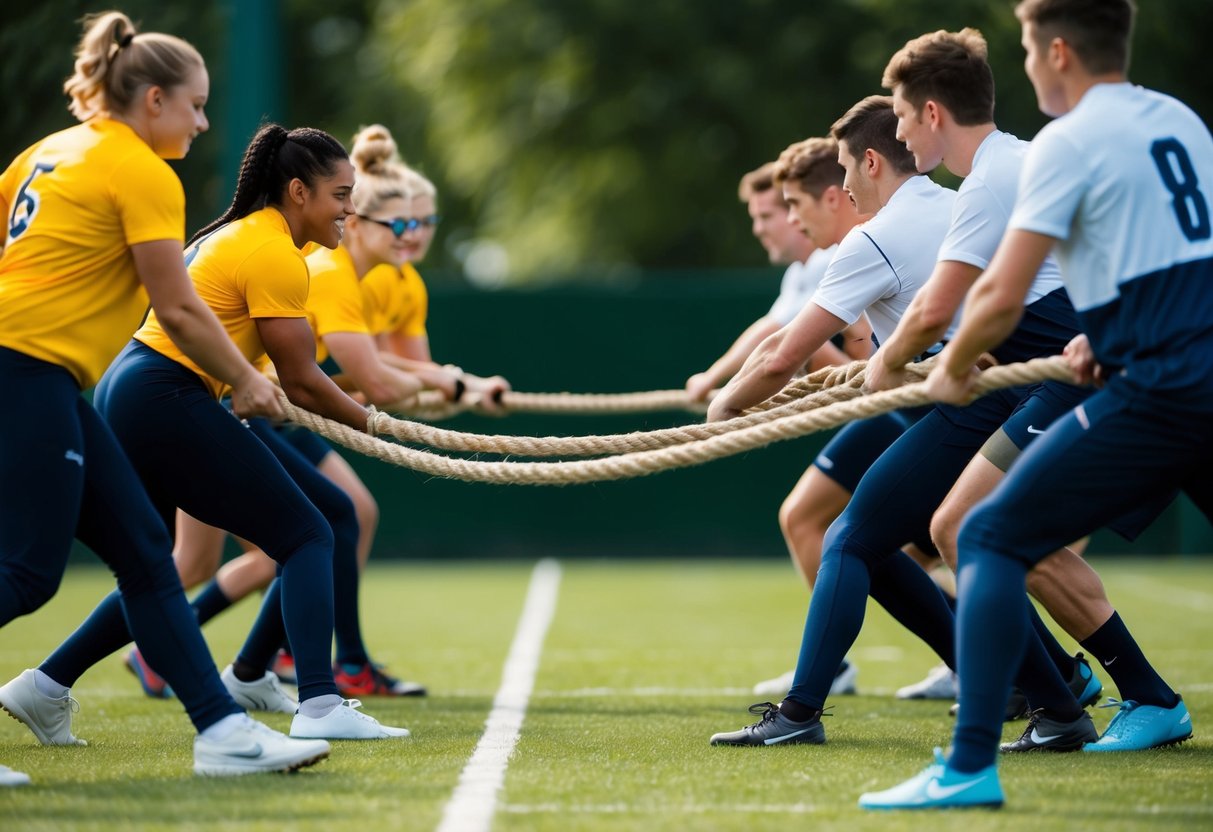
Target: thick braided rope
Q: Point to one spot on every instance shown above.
(680, 456)
(431, 406)
(383, 424)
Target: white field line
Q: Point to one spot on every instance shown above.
(688, 809)
(474, 801)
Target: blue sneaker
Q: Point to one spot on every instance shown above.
(1084, 683)
(1138, 727)
(939, 787)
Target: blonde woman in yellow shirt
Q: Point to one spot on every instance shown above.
(94, 225)
(294, 188)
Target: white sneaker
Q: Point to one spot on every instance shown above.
(253, 748)
(49, 719)
(844, 679)
(266, 694)
(8, 777)
(939, 684)
(776, 687)
(345, 722)
(844, 682)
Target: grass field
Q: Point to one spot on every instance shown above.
(642, 663)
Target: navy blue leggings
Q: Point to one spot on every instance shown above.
(194, 455)
(66, 476)
(892, 505)
(1116, 451)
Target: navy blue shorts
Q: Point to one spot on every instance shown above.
(849, 454)
(1100, 463)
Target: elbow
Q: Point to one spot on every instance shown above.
(173, 318)
(776, 365)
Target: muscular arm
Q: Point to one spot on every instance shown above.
(360, 361)
(775, 361)
(193, 327)
(699, 385)
(857, 340)
(925, 321)
(992, 311)
(416, 347)
(290, 345)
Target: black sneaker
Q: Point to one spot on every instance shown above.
(774, 729)
(1046, 734)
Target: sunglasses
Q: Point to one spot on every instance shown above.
(399, 226)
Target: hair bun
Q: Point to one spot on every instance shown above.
(374, 150)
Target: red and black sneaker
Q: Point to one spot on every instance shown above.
(370, 680)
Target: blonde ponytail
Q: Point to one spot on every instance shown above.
(114, 62)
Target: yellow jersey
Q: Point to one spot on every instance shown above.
(395, 300)
(73, 205)
(334, 303)
(244, 270)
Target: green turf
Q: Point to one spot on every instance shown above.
(642, 663)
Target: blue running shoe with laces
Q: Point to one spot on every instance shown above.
(939, 787)
(1138, 727)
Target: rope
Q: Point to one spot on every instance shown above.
(383, 424)
(690, 453)
(430, 403)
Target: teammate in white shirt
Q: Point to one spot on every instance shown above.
(785, 244)
(1115, 184)
(943, 94)
(879, 267)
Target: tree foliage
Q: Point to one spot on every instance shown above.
(601, 135)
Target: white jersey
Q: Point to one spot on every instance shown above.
(983, 208)
(798, 285)
(1124, 183)
(881, 265)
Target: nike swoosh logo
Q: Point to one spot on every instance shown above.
(785, 737)
(1037, 738)
(251, 752)
(1187, 718)
(1108, 663)
(1034, 430)
(935, 791)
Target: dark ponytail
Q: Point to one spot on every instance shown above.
(273, 158)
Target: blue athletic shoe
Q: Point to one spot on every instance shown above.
(1084, 683)
(1138, 727)
(939, 787)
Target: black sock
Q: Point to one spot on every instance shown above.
(1123, 660)
(246, 672)
(798, 711)
(1058, 654)
(210, 602)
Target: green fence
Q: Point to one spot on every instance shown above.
(648, 335)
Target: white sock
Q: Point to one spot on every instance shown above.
(320, 706)
(49, 687)
(222, 729)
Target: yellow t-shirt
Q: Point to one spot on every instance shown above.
(247, 269)
(334, 303)
(73, 205)
(395, 300)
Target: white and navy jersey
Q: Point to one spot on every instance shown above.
(984, 203)
(799, 283)
(1124, 183)
(881, 265)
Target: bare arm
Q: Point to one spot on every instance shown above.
(857, 340)
(416, 347)
(923, 324)
(193, 327)
(992, 311)
(699, 385)
(360, 361)
(775, 361)
(290, 345)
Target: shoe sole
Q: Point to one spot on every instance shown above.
(812, 740)
(217, 770)
(1055, 748)
(1091, 747)
(934, 806)
(19, 714)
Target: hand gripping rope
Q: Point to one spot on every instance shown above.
(822, 400)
